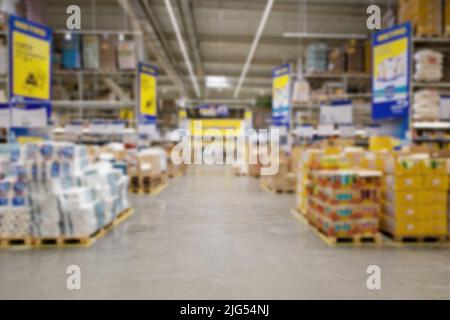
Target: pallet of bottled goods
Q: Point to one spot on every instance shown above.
(51, 194)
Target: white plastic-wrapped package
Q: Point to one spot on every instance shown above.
(84, 219)
(426, 105)
(429, 65)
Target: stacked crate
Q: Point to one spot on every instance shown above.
(345, 203)
(415, 196)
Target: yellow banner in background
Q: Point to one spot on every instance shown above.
(222, 125)
(148, 103)
(31, 66)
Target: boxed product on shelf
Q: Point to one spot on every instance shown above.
(447, 17)
(126, 55)
(354, 57)
(91, 52)
(108, 56)
(71, 55)
(317, 58)
(3, 58)
(426, 16)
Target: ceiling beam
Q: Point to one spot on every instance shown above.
(254, 46)
(140, 19)
(188, 18)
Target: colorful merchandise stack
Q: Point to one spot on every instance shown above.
(345, 203)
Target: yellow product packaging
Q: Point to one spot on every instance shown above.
(435, 228)
(405, 166)
(437, 213)
(404, 182)
(403, 198)
(434, 197)
(435, 166)
(436, 182)
(404, 213)
(400, 228)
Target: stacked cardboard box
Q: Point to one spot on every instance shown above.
(147, 169)
(345, 203)
(173, 169)
(414, 195)
(426, 16)
(283, 180)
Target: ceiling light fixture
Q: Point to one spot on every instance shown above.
(182, 47)
(218, 82)
(68, 36)
(254, 46)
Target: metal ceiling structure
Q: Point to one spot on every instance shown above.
(218, 36)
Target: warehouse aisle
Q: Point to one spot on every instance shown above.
(211, 235)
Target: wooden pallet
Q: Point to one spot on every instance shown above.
(240, 174)
(376, 239)
(67, 242)
(175, 175)
(16, 242)
(416, 239)
(152, 190)
(269, 188)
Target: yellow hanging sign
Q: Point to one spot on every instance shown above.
(30, 59)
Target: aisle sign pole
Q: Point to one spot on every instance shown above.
(147, 96)
(281, 101)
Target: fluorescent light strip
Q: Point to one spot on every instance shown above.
(254, 46)
(308, 35)
(182, 47)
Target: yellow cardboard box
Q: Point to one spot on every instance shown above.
(436, 182)
(435, 166)
(403, 182)
(404, 213)
(400, 228)
(404, 198)
(434, 197)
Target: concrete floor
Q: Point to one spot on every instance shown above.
(211, 235)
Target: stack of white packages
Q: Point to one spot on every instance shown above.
(15, 218)
(426, 105)
(429, 65)
(50, 190)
